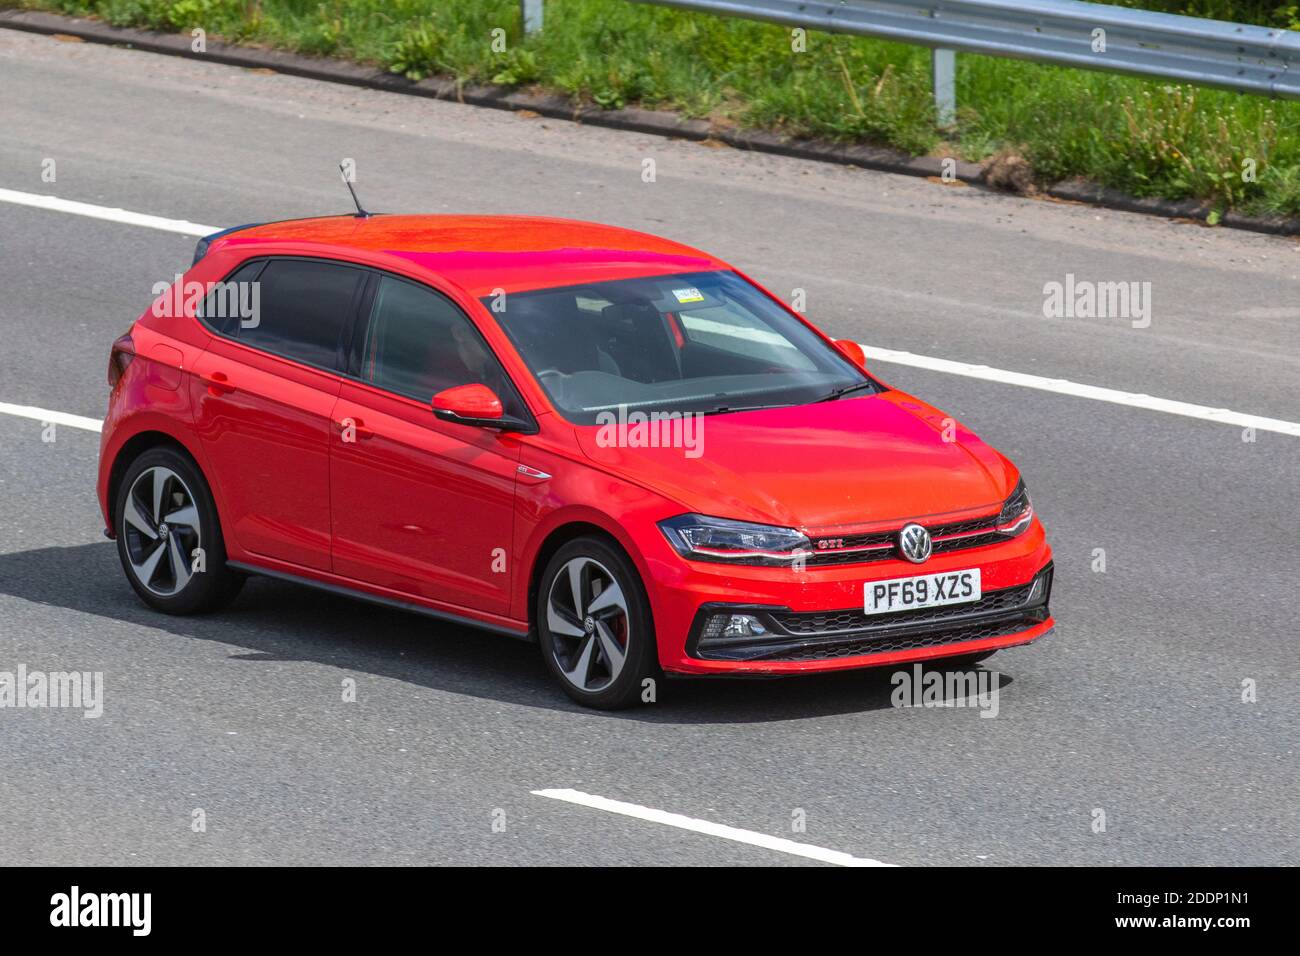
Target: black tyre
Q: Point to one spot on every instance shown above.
(168, 535)
(594, 625)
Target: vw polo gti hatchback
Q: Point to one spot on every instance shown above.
(609, 443)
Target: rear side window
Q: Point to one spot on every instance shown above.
(302, 308)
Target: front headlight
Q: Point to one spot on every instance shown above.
(1016, 512)
(702, 538)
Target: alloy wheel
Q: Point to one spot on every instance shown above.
(160, 522)
(586, 613)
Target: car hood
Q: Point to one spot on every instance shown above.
(847, 464)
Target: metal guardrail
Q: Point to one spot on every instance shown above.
(531, 13)
(1093, 36)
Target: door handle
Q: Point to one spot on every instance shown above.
(353, 429)
(217, 383)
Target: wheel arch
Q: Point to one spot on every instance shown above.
(557, 538)
(137, 445)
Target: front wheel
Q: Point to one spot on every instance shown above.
(594, 625)
(168, 535)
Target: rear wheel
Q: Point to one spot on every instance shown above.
(594, 626)
(168, 536)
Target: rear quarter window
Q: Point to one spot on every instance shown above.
(233, 300)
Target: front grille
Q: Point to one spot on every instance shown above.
(826, 635)
(886, 542)
(824, 559)
(970, 541)
(963, 527)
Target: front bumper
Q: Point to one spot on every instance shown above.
(814, 619)
(832, 635)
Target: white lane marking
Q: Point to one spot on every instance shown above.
(57, 418)
(1059, 385)
(110, 213)
(707, 827)
(1065, 387)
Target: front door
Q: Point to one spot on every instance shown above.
(422, 506)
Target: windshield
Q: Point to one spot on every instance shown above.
(698, 342)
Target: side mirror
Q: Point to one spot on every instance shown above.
(475, 405)
(853, 352)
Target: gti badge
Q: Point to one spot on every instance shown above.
(914, 543)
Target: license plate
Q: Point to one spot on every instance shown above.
(924, 590)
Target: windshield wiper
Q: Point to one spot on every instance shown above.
(724, 409)
(841, 392)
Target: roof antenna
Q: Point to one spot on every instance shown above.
(361, 213)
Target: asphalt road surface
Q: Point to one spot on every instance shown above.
(1133, 708)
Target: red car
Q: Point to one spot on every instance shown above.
(607, 442)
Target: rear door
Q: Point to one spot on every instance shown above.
(264, 391)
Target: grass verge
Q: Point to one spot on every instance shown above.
(1145, 138)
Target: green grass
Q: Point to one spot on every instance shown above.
(1146, 138)
(1269, 13)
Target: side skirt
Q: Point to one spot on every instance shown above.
(394, 603)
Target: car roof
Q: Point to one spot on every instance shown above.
(482, 254)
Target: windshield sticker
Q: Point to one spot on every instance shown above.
(688, 295)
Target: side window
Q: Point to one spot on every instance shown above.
(418, 343)
(302, 308)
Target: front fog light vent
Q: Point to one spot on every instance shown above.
(733, 626)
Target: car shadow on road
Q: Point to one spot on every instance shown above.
(278, 621)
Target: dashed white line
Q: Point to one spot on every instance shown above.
(1060, 386)
(110, 213)
(1065, 387)
(47, 415)
(709, 828)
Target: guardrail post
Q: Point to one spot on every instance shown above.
(532, 14)
(943, 70)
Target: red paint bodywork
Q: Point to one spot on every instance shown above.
(439, 514)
